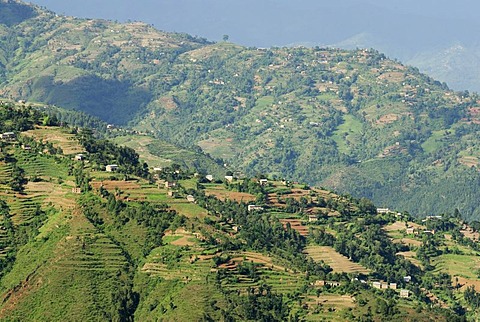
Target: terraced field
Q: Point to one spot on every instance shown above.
(91, 252)
(336, 261)
(297, 225)
(44, 166)
(178, 263)
(266, 271)
(58, 137)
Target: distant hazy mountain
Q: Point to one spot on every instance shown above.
(415, 32)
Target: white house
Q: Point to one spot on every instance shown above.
(79, 157)
(254, 207)
(111, 168)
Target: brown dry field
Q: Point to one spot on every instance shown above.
(334, 300)
(296, 224)
(411, 257)
(392, 76)
(400, 225)
(475, 236)
(251, 257)
(465, 282)
(335, 260)
(55, 135)
(112, 184)
(469, 161)
(232, 195)
(408, 241)
(387, 119)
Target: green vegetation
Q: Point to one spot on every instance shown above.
(123, 246)
(170, 244)
(354, 121)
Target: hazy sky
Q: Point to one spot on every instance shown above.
(398, 27)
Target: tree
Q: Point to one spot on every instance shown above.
(225, 38)
(18, 179)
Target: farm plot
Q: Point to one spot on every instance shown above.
(335, 260)
(411, 256)
(58, 137)
(326, 306)
(249, 269)
(297, 225)
(44, 166)
(465, 266)
(86, 249)
(221, 193)
(172, 262)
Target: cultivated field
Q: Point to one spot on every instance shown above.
(221, 193)
(336, 261)
(58, 137)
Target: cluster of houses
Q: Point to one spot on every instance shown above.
(404, 293)
(8, 136)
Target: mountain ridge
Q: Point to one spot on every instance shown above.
(325, 116)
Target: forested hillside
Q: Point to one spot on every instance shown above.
(80, 241)
(353, 121)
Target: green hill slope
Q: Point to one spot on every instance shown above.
(80, 243)
(354, 121)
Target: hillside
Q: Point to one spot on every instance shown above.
(80, 243)
(352, 121)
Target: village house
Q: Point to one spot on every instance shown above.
(209, 177)
(190, 198)
(384, 286)
(26, 147)
(410, 231)
(111, 168)
(8, 136)
(407, 279)
(170, 184)
(76, 190)
(312, 218)
(79, 157)
(157, 169)
(324, 283)
(404, 293)
(254, 207)
(383, 210)
(229, 178)
(263, 182)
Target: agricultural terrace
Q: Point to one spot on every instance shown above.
(335, 260)
(397, 231)
(465, 268)
(59, 137)
(249, 269)
(137, 190)
(220, 192)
